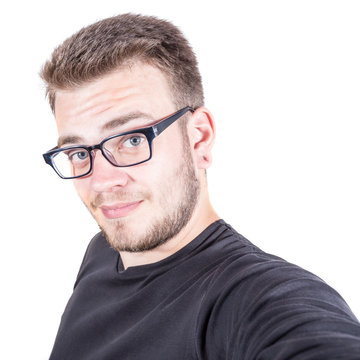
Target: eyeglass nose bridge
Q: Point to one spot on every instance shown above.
(105, 153)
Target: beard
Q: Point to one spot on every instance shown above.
(175, 213)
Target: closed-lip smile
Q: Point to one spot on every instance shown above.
(119, 210)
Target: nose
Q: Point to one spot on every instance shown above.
(106, 177)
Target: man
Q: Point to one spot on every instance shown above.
(166, 278)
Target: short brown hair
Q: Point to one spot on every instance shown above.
(106, 45)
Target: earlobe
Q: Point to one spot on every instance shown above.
(202, 130)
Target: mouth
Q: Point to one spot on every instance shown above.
(119, 210)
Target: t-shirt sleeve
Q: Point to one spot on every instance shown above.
(273, 310)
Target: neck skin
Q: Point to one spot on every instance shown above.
(203, 216)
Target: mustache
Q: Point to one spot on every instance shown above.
(118, 196)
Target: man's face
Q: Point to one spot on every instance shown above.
(140, 207)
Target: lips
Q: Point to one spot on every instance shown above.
(119, 210)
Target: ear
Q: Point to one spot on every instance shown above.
(201, 129)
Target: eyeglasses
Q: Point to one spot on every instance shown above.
(122, 150)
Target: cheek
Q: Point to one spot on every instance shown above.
(167, 151)
(165, 179)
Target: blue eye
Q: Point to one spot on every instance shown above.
(78, 156)
(82, 155)
(134, 141)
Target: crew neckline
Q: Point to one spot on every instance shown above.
(171, 260)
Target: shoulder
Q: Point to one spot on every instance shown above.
(261, 304)
(254, 279)
(98, 255)
(97, 243)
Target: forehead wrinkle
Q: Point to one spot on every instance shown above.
(124, 119)
(95, 105)
(90, 101)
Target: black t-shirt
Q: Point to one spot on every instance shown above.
(219, 297)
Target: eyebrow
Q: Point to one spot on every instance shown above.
(110, 125)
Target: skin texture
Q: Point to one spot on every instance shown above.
(149, 211)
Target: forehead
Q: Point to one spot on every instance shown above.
(137, 88)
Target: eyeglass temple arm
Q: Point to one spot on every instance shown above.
(160, 127)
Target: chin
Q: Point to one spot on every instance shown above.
(139, 236)
(124, 235)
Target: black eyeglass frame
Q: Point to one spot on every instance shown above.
(150, 132)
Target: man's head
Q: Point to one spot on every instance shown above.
(138, 207)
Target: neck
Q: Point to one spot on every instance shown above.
(203, 216)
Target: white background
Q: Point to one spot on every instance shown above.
(282, 79)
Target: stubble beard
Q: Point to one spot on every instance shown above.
(175, 214)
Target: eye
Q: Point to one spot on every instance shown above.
(134, 141)
(78, 156)
(82, 155)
